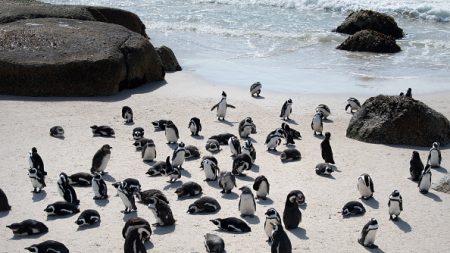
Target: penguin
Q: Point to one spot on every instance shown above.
(178, 156)
(144, 196)
(61, 208)
(126, 197)
(317, 124)
(48, 246)
(274, 139)
(288, 134)
(261, 186)
(99, 187)
(281, 242)
(192, 152)
(138, 133)
(248, 149)
(291, 214)
(353, 208)
(365, 186)
(171, 132)
(195, 126)
(4, 204)
(227, 181)
(354, 105)
(212, 145)
(140, 144)
(204, 205)
(35, 161)
(289, 155)
(214, 243)
(247, 204)
(66, 190)
(286, 110)
(425, 180)
(189, 189)
(246, 127)
(240, 163)
(173, 173)
(368, 234)
(131, 185)
(157, 169)
(148, 152)
(209, 166)
(127, 114)
(324, 109)
(57, 132)
(235, 146)
(416, 166)
(222, 107)
(434, 156)
(232, 224)
(272, 217)
(324, 169)
(133, 223)
(103, 131)
(28, 227)
(37, 180)
(101, 159)
(222, 138)
(409, 93)
(160, 125)
(401, 94)
(88, 217)
(162, 212)
(255, 89)
(327, 152)
(134, 243)
(80, 179)
(395, 205)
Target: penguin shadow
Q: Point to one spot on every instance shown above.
(291, 161)
(59, 137)
(4, 213)
(173, 146)
(159, 230)
(149, 163)
(372, 202)
(403, 225)
(328, 176)
(148, 245)
(101, 136)
(129, 215)
(101, 202)
(230, 196)
(350, 216)
(175, 184)
(374, 250)
(213, 184)
(255, 168)
(82, 228)
(58, 217)
(251, 219)
(266, 201)
(433, 196)
(300, 233)
(198, 137)
(128, 123)
(258, 97)
(251, 139)
(108, 178)
(274, 152)
(27, 237)
(186, 173)
(291, 121)
(188, 197)
(441, 170)
(320, 137)
(39, 196)
(226, 122)
(245, 178)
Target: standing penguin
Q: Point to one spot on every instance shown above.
(66, 190)
(37, 179)
(409, 93)
(317, 124)
(195, 126)
(179, 156)
(324, 109)
(162, 212)
(101, 159)
(286, 110)
(222, 107)
(434, 157)
(416, 166)
(127, 114)
(272, 218)
(171, 132)
(249, 150)
(99, 187)
(126, 197)
(354, 105)
(255, 89)
(281, 242)
(134, 243)
(288, 134)
(246, 127)
(292, 215)
(261, 186)
(425, 180)
(35, 161)
(227, 181)
(235, 146)
(395, 205)
(274, 139)
(209, 165)
(365, 186)
(247, 205)
(327, 152)
(172, 172)
(4, 205)
(48, 246)
(368, 234)
(148, 152)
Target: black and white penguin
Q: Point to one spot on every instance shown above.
(134, 243)
(227, 181)
(192, 152)
(103, 131)
(88, 217)
(290, 155)
(402, 94)
(204, 205)
(214, 243)
(127, 114)
(274, 139)
(28, 227)
(235, 146)
(425, 180)
(272, 217)
(160, 125)
(327, 152)
(133, 223)
(80, 179)
(232, 224)
(179, 156)
(222, 107)
(148, 152)
(248, 149)
(171, 132)
(434, 156)
(144, 196)
(212, 145)
(246, 127)
(48, 246)
(101, 159)
(210, 167)
(140, 143)
(247, 205)
(61, 208)
(222, 138)
(162, 212)
(57, 132)
(99, 187)
(261, 186)
(409, 93)
(126, 197)
(353, 208)
(35, 161)
(4, 204)
(368, 234)
(138, 133)
(255, 89)
(241, 163)
(354, 105)
(37, 180)
(317, 124)
(365, 186)
(173, 173)
(286, 110)
(195, 126)
(324, 109)
(416, 166)
(281, 242)
(291, 214)
(288, 134)
(157, 169)
(395, 205)
(325, 169)
(131, 185)
(191, 189)
(66, 190)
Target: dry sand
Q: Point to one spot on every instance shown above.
(26, 122)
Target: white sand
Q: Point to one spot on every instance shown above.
(26, 121)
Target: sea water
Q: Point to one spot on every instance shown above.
(289, 46)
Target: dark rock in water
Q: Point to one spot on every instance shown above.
(398, 120)
(370, 20)
(370, 41)
(67, 57)
(168, 59)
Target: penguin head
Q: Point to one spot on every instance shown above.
(94, 127)
(224, 95)
(283, 156)
(152, 203)
(80, 222)
(192, 209)
(415, 155)
(249, 120)
(436, 144)
(289, 101)
(63, 178)
(33, 248)
(14, 226)
(106, 147)
(296, 196)
(373, 222)
(117, 185)
(345, 211)
(180, 192)
(395, 193)
(181, 145)
(50, 209)
(327, 135)
(329, 169)
(245, 190)
(138, 133)
(401, 94)
(97, 176)
(216, 222)
(271, 212)
(32, 172)
(33, 150)
(144, 233)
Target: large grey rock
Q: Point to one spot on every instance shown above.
(398, 120)
(370, 41)
(168, 59)
(68, 57)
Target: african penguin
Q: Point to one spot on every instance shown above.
(209, 166)
(324, 109)
(409, 93)
(57, 132)
(138, 133)
(240, 163)
(365, 186)
(178, 156)
(101, 159)
(222, 138)
(103, 131)
(212, 145)
(246, 127)
(255, 89)
(127, 114)
(162, 212)
(134, 243)
(80, 179)
(160, 125)
(395, 205)
(126, 197)
(28, 227)
(325, 169)
(317, 124)
(288, 134)
(286, 110)
(248, 149)
(4, 204)
(261, 186)
(66, 190)
(227, 181)
(144, 196)
(88, 217)
(281, 242)
(192, 152)
(173, 173)
(204, 205)
(48, 246)
(235, 146)
(99, 187)
(35, 161)
(247, 205)
(157, 169)
(131, 185)
(133, 223)
(272, 217)
(222, 107)
(291, 214)
(189, 189)
(232, 224)
(195, 126)
(368, 234)
(148, 152)
(214, 243)
(292, 132)
(416, 166)
(37, 180)
(353, 104)
(289, 155)
(353, 208)
(171, 132)
(434, 157)
(61, 208)
(425, 180)
(327, 152)
(140, 143)
(274, 139)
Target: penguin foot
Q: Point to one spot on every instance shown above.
(222, 191)
(424, 191)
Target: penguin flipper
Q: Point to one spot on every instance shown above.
(214, 107)
(231, 106)
(346, 107)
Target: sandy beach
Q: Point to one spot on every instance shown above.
(26, 122)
